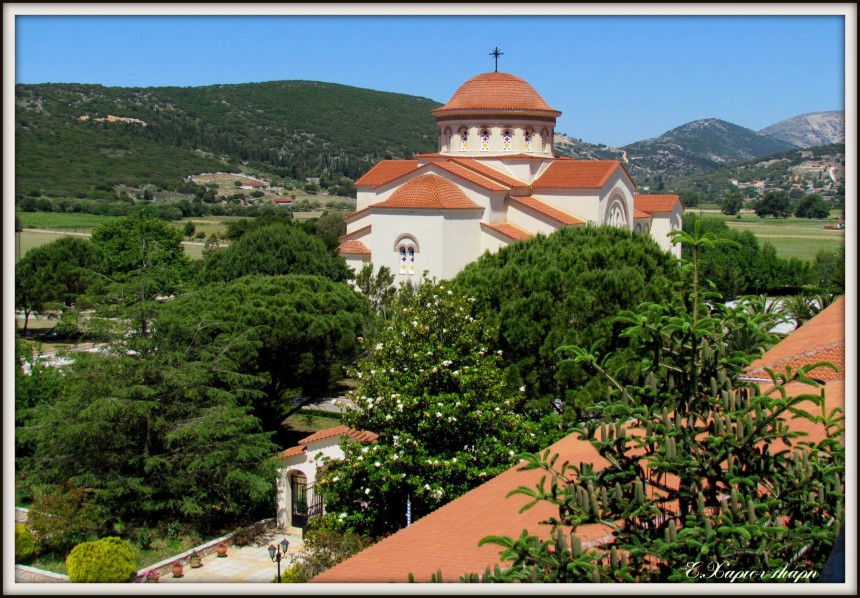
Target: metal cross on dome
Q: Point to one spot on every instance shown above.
(496, 54)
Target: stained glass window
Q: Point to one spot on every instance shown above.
(402, 260)
(410, 252)
(485, 140)
(506, 140)
(528, 141)
(464, 139)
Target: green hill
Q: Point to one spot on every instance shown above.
(295, 129)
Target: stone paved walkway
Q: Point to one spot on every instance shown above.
(243, 564)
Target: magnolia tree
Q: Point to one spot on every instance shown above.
(447, 422)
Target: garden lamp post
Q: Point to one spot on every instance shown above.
(277, 554)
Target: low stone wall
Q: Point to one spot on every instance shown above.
(26, 574)
(203, 549)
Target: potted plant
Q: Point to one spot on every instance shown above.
(152, 576)
(195, 559)
(221, 549)
(176, 568)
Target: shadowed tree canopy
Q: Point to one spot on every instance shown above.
(549, 291)
(274, 250)
(306, 326)
(54, 273)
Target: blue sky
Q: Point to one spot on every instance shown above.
(617, 79)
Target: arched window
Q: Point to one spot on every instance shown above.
(506, 140)
(527, 140)
(407, 248)
(464, 138)
(447, 139)
(545, 140)
(615, 215)
(485, 140)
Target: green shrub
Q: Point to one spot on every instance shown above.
(291, 575)
(25, 545)
(109, 560)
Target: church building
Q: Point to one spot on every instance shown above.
(493, 181)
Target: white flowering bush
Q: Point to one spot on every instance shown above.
(447, 422)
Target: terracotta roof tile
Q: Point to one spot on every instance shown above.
(489, 172)
(470, 174)
(503, 157)
(547, 210)
(386, 171)
(357, 435)
(820, 339)
(356, 215)
(429, 191)
(355, 233)
(576, 174)
(509, 230)
(637, 213)
(656, 203)
(293, 451)
(353, 247)
(495, 91)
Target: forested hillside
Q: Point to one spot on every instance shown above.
(66, 146)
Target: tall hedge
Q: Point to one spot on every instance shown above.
(109, 560)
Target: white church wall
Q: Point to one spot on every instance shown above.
(582, 203)
(424, 226)
(492, 241)
(619, 186)
(356, 261)
(662, 225)
(461, 243)
(533, 222)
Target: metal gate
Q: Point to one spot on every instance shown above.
(299, 506)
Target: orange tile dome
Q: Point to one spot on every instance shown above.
(428, 191)
(496, 91)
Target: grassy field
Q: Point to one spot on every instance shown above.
(62, 221)
(792, 237)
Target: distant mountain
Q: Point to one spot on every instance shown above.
(810, 130)
(699, 147)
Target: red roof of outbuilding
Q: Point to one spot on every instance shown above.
(656, 204)
(577, 174)
(495, 91)
(637, 213)
(357, 435)
(429, 191)
(820, 339)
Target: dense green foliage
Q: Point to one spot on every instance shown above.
(275, 250)
(565, 288)
(157, 427)
(63, 515)
(322, 549)
(702, 473)
(774, 203)
(288, 128)
(25, 545)
(54, 275)
(109, 560)
(447, 421)
(743, 267)
(305, 330)
(812, 206)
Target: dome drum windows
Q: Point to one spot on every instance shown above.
(485, 139)
(506, 140)
(527, 140)
(464, 138)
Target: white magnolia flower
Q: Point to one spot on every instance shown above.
(378, 464)
(379, 346)
(438, 414)
(364, 449)
(427, 486)
(335, 479)
(342, 516)
(388, 417)
(522, 388)
(367, 490)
